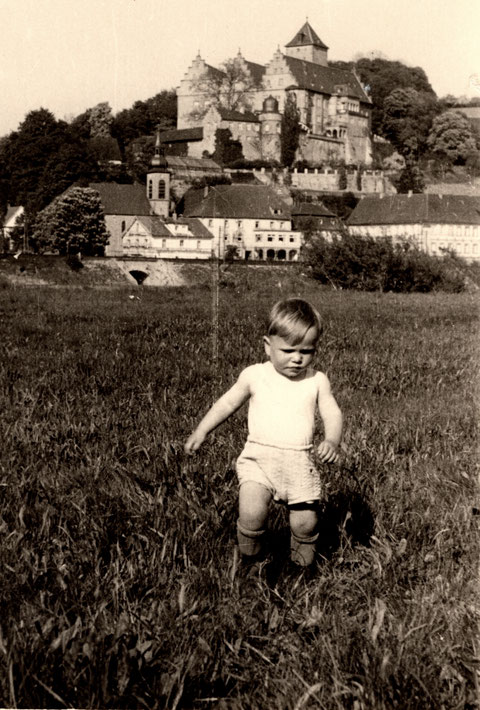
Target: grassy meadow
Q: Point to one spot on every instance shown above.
(121, 586)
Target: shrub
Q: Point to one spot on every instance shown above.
(368, 264)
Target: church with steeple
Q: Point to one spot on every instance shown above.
(334, 108)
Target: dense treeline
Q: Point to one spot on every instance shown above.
(45, 156)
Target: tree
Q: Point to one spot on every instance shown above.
(144, 118)
(410, 179)
(407, 119)
(229, 87)
(41, 160)
(74, 222)
(381, 76)
(290, 130)
(227, 151)
(451, 137)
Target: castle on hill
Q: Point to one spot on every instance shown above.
(333, 105)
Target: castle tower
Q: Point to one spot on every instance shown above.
(308, 46)
(158, 182)
(270, 127)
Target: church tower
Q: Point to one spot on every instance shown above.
(308, 46)
(158, 182)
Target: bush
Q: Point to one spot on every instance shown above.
(369, 264)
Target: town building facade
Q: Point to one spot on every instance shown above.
(250, 220)
(155, 237)
(334, 107)
(432, 222)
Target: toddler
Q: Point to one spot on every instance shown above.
(277, 462)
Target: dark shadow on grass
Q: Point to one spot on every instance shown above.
(344, 513)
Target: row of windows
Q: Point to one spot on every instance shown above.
(259, 224)
(274, 237)
(138, 241)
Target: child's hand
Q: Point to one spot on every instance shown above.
(194, 442)
(327, 452)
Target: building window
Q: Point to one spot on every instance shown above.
(161, 189)
(123, 225)
(181, 243)
(257, 224)
(292, 239)
(150, 189)
(280, 239)
(198, 243)
(210, 222)
(239, 223)
(258, 238)
(164, 243)
(269, 238)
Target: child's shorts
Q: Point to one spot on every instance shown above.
(289, 474)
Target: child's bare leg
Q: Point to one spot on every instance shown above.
(253, 510)
(303, 522)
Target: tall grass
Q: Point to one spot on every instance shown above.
(121, 586)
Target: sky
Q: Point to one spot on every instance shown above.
(69, 55)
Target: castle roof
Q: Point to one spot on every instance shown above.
(256, 70)
(416, 209)
(122, 199)
(237, 201)
(326, 80)
(306, 36)
(182, 134)
(231, 115)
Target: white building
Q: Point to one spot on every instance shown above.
(166, 238)
(250, 218)
(432, 222)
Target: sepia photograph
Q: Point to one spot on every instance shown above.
(240, 355)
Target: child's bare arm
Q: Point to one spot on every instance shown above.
(218, 412)
(332, 422)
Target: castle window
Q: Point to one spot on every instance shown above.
(150, 189)
(161, 189)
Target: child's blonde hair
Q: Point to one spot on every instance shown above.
(291, 318)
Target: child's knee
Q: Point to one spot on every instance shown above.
(253, 505)
(303, 522)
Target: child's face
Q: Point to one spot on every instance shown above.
(290, 360)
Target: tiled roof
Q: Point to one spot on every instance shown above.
(196, 227)
(417, 209)
(156, 226)
(306, 36)
(176, 162)
(236, 201)
(230, 115)
(164, 227)
(256, 70)
(316, 77)
(182, 134)
(122, 199)
(311, 209)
